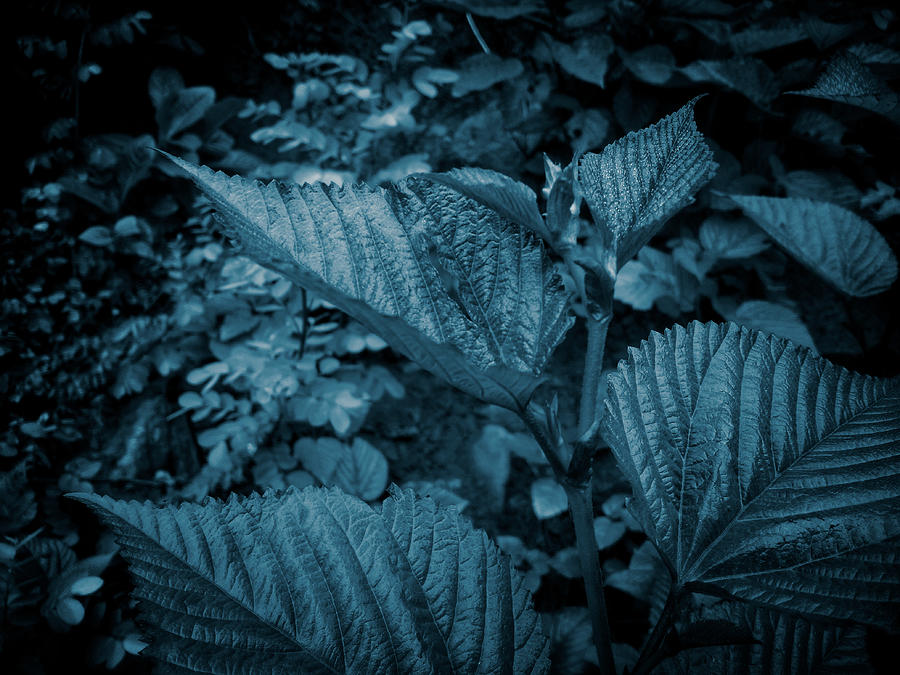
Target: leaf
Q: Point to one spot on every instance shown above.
(756, 39)
(748, 76)
(833, 242)
(483, 71)
(732, 238)
(607, 532)
(163, 83)
(587, 58)
(359, 469)
(653, 64)
(548, 498)
(463, 292)
(646, 579)
(497, 9)
(185, 108)
(638, 182)
(783, 644)
(98, 235)
(776, 319)
(512, 199)
(763, 471)
(316, 581)
(847, 80)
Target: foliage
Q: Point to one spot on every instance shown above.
(143, 357)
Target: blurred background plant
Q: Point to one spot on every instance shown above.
(143, 356)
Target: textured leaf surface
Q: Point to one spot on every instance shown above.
(464, 292)
(513, 200)
(315, 581)
(784, 644)
(639, 181)
(848, 80)
(831, 241)
(763, 470)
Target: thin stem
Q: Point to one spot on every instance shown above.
(581, 509)
(471, 20)
(652, 652)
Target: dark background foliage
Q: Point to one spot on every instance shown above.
(117, 292)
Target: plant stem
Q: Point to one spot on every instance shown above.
(652, 652)
(581, 509)
(477, 33)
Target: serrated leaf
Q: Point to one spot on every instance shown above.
(512, 199)
(638, 182)
(587, 58)
(462, 291)
(781, 643)
(315, 581)
(848, 80)
(762, 470)
(841, 247)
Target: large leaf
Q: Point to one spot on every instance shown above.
(830, 240)
(638, 182)
(782, 643)
(449, 283)
(316, 581)
(748, 76)
(762, 470)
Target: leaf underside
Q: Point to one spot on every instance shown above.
(762, 470)
(639, 181)
(843, 248)
(464, 292)
(316, 581)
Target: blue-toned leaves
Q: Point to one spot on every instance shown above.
(453, 285)
(316, 581)
(841, 247)
(763, 470)
(641, 180)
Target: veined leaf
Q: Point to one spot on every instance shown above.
(513, 200)
(848, 80)
(587, 58)
(447, 282)
(783, 643)
(638, 182)
(833, 242)
(762, 470)
(748, 76)
(316, 581)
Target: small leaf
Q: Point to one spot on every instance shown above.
(317, 581)
(184, 109)
(548, 498)
(835, 243)
(732, 238)
(86, 585)
(653, 64)
(763, 471)
(97, 236)
(587, 58)
(70, 611)
(639, 181)
(467, 294)
(483, 71)
(776, 319)
(607, 532)
(362, 471)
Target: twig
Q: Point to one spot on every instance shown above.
(471, 20)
